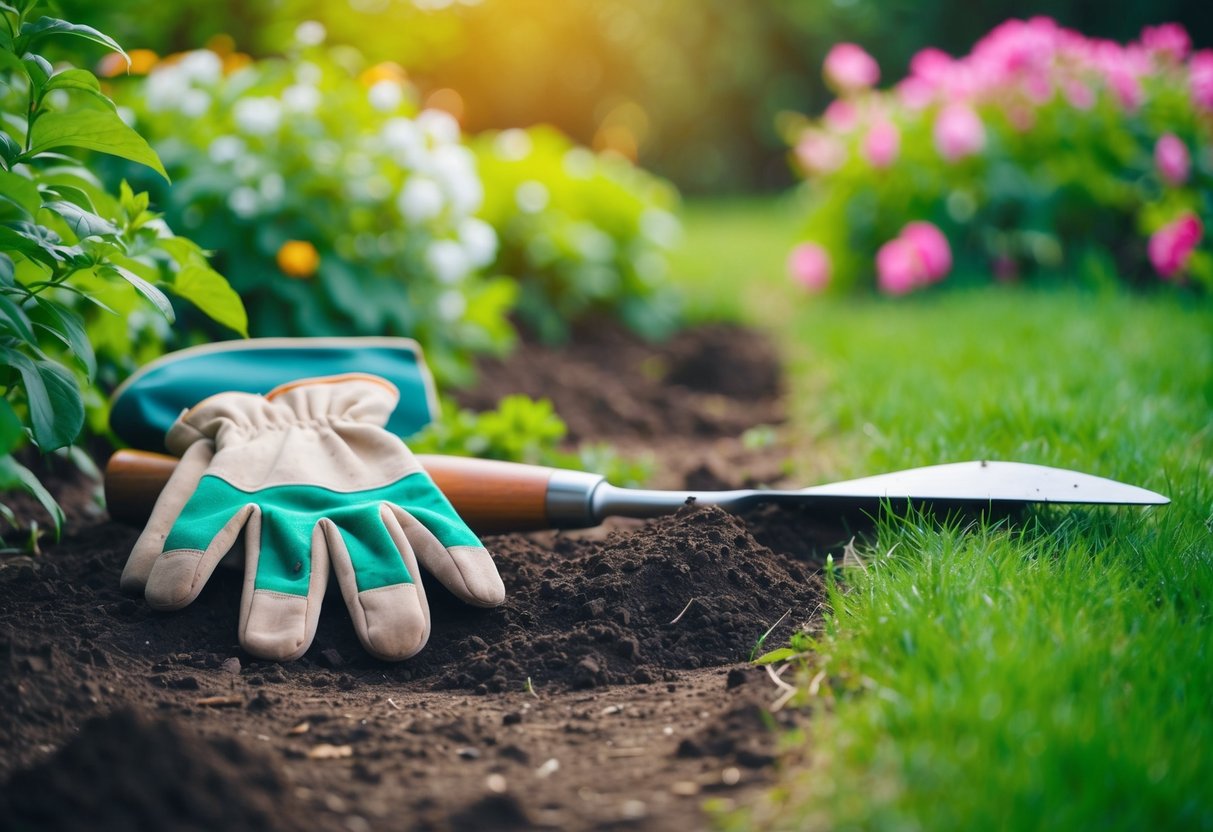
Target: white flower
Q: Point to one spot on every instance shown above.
(404, 141)
(386, 96)
(308, 73)
(512, 145)
(447, 261)
(420, 200)
(310, 33)
(301, 98)
(164, 88)
(438, 126)
(226, 149)
(592, 243)
(479, 241)
(194, 103)
(258, 116)
(453, 166)
(248, 167)
(578, 163)
(243, 201)
(202, 66)
(531, 197)
(662, 227)
(451, 305)
(272, 187)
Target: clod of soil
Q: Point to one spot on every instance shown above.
(687, 591)
(127, 773)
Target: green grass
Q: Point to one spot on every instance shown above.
(1052, 673)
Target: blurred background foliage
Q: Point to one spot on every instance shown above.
(689, 88)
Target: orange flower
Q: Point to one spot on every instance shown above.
(298, 259)
(386, 71)
(235, 61)
(113, 64)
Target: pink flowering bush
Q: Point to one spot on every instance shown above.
(1041, 153)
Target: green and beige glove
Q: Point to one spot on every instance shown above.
(314, 481)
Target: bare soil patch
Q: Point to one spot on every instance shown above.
(612, 690)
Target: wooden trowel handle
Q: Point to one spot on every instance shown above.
(490, 496)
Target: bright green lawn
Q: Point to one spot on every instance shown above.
(1055, 674)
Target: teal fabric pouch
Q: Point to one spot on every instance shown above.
(147, 403)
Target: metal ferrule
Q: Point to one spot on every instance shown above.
(570, 499)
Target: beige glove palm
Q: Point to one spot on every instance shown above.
(315, 483)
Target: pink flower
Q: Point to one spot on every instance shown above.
(820, 153)
(882, 144)
(899, 268)
(959, 132)
(841, 116)
(914, 93)
(1200, 78)
(809, 265)
(1171, 246)
(1170, 40)
(1126, 86)
(932, 248)
(1078, 94)
(849, 68)
(1172, 159)
(933, 66)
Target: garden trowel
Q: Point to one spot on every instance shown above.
(495, 497)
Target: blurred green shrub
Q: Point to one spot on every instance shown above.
(585, 234)
(1041, 152)
(332, 204)
(77, 262)
(528, 430)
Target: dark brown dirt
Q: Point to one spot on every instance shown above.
(610, 690)
(706, 382)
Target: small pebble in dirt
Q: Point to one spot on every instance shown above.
(468, 753)
(231, 666)
(633, 810)
(511, 718)
(496, 784)
(736, 678)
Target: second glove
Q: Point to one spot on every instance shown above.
(314, 481)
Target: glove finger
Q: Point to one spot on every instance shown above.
(283, 588)
(466, 570)
(380, 582)
(172, 500)
(190, 556)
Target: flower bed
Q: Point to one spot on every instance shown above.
(1041, 152)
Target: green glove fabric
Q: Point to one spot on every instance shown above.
(313, 480)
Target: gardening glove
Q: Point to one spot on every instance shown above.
(311, 477)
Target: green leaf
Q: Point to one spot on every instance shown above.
(158, 298)
(779, 655)
(11, 429)
(71, 193)
(8, 271)
(66, 325)
(10, 149)
(212, 294)
(21, 192)
(46, 27)
(83, 223)
(32, 240)
(15, 475)
(39, 70)
(78, 80)
(100, 130)
(56, 408)
(15, 320)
